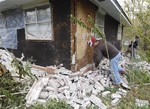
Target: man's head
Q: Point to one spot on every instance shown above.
(136, 37)
(93, 41)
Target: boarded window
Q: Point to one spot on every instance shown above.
(38, 23)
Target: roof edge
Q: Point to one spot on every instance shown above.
(119, 8)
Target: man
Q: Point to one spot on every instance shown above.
(135, 44)
(106, 49)
(129, 49)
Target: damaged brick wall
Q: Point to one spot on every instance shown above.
(83, 52)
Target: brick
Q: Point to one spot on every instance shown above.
(41, 101)
(95, 91)
(43, 95)
(67, 80)
(89, 89)
(74, 74)
(86, 68)
(115, 95)
(49, 70)
(62, 89)
(49, 89)
(60, 81)
(141, 103)
(97, 101)
(61, 96)
(73, 87)
(35, 90)
(73, 96)
(97, 78)
(99, 86)
(76, 106)
(79, 101)
(67, 94)
(115, 101)
(53, 83)
(85, 105)
(104, 94)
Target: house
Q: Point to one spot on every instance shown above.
(42, 30)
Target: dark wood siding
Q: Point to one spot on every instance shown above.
(55, 52)
(111, 29)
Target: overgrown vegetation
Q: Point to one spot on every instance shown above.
(90, 26)
(12, 93)
(139, 14)
(52, 104)
(8, 86)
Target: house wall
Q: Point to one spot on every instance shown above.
(84, 53)
(50, 52)
(111, 31)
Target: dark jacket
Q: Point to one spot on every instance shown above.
(135, 44)
(100, 51)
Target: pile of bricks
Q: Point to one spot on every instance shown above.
(63, 84)
(78, 91)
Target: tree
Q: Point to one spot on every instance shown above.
(139, 13)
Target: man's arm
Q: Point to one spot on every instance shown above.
(97, 57)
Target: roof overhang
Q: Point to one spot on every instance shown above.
(11, 4)
(113, 8)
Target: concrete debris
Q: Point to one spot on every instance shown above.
(115, 101)
(48, 69)
(35, 91)
(104, 94)
(97, 101)
(141, 103)
(115, 95)
(143, 65)
(79, 89)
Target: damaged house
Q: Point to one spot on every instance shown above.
(42, 30)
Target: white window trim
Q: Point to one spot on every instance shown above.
(30, 37)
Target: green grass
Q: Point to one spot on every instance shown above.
(138, 92)
(137, 78)
(52, 104)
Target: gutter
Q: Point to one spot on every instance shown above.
(118, 7)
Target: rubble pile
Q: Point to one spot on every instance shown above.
(78, 91)
(56, 82)
(142, 65)
(19, 70)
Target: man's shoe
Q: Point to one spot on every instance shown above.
(125, 86)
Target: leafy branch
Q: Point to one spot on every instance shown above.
(94, 28)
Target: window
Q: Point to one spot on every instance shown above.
(38, 23)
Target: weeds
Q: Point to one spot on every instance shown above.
(10, 90)
(52, 104)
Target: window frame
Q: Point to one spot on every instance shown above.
(50, 21)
